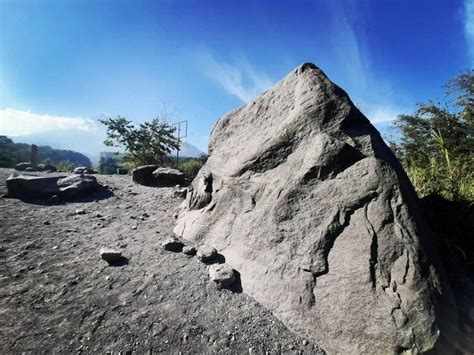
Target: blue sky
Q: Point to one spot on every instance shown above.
(64, 63)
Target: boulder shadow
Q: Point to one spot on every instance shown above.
(122, 261)
(236, 286)
(218, 259)
(101, 193)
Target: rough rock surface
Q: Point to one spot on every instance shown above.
(303, 197)
(168, 176)
(143, 175)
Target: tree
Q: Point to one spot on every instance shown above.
(147, 143)
(437, 142)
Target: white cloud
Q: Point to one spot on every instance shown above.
(241, 80)
(380, 114)
(469, 27)
(16, 123)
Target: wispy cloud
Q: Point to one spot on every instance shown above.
(469, 27)
(372, 93)
(238, 79)
(16, 123)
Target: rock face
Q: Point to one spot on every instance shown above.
(303, 197)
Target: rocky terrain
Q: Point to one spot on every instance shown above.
(58, 295)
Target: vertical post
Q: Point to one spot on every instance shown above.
(177, 150)
(34, 155)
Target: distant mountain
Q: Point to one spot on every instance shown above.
(188, 150)
(89, 143)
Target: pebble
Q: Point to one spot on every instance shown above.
(222, 274)
(189, 250)
(206, 253)
(80, 211)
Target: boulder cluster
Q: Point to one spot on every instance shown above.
(221, 273)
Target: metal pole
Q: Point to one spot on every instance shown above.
(177, 156)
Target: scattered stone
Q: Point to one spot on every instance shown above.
(134, 227)
(23, 166)
(189, 250)
(98, 215)
(180, 193)
(222, 274)
(47, 168)
(83, 170)
(110, 255)
(206, 253)
(80, 211)
(172, 244)
(46, 223)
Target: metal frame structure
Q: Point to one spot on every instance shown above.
(180, 131)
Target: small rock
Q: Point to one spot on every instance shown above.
(98, 215)
(134, 227)
(223, 274)
(172, 244)
(206, 253)
(305, 342)
(189, 250)
(110, 255)
(80, 211)
(46, 223)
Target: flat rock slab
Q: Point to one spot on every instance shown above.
(32, 186)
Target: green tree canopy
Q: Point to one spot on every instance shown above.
(437, 142)
(147, 143)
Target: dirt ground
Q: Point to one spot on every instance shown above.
(58, 295)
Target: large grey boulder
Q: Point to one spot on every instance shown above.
(143, 175)
(303, 197)
(168, 176)
(29, 186)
